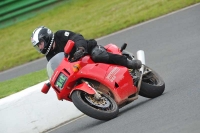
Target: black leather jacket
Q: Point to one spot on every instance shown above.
(62, 36)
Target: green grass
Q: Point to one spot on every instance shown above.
(92, 18)
(17, 84)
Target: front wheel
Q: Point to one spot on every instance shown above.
(152, 84)
(102, 109)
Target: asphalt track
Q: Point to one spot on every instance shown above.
(171, 44)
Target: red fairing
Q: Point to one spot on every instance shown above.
(71, 71)
(113, 49)
(120, 80)
(116, 78)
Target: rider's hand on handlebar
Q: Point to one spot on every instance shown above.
(79, 53)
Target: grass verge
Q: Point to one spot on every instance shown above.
(17, 84)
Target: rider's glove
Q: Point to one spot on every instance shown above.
(79, 53)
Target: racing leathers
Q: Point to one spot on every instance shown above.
(89, 47)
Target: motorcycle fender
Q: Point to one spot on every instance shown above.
(83, 87)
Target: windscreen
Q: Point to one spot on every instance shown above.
(53, 63)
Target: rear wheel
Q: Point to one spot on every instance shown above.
(103, 109)
(152, 84)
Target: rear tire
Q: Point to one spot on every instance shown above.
(152, 84)
(105, 109)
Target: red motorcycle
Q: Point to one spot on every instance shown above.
(97, 89)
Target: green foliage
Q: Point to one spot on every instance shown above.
(17, 84)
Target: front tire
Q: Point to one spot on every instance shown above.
(152, 84)
(104, 109)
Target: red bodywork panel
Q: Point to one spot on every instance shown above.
(113, 49)
(116, 78)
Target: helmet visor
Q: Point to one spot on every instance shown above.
(37, 48)
(40, 45)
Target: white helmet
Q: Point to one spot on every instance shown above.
(42, 34)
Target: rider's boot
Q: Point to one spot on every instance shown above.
(134, 64)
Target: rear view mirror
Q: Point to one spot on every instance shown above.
(68, 47)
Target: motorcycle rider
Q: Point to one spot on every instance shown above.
(49, 44)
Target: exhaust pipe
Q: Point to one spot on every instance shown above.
(141, 57)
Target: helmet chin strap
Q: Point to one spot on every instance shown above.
(50, 45)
